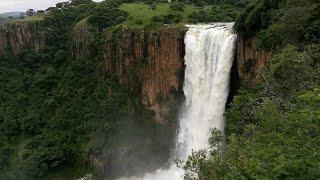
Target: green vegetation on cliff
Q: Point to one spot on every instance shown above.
(4, 19)
(280, 23)
(111, 12)
(189, 13)
(145, 12)
(62, 116)
(273, 126)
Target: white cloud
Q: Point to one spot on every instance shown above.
(23, 5)
(10, 3)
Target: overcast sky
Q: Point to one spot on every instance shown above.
(23, 5)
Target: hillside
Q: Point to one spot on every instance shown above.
(12, 14)
(145, 12)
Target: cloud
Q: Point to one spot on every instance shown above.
(10, 3)
(7, 5)
(23, 5)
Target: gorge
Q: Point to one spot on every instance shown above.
(150, 63)
(121, 89)
(210, 51)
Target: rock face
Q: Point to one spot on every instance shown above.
(82, 39)
(22, 35)
(249, 59)
(150, 62)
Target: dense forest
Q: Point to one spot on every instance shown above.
(58, 111)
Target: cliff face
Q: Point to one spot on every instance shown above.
(150, 62)
(249, 60)
(82, 39)
(21, 35)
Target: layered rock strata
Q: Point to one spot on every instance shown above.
(20, 36)
(250, 60)
(150, 62)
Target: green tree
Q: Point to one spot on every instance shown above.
(177, 6)
(79, 2)
(200, 3)
(106, 15)
(30, 12)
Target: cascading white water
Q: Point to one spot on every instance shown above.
(209, 56)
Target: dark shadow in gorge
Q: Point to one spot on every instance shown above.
(234, 82)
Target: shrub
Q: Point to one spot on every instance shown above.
(79, 2)
(153, 6)
(120, 19)
(177, 6)
(271, 38)
(157, 19)
(290, 71)
(172, 18)
(139, 22)
(200, 4)
(107, 14)
(149, 2)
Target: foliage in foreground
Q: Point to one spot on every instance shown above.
(272, 130)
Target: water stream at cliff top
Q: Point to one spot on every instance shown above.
(209, 56)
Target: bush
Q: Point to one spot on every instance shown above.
(157, 19)
(177, 6)
(172, 18)
(217, 14)
(271, 38)
(149, 2)
(288, 72)
(200, 4)
(139, 22)
(79, 2)
(120, 19)
(153, 6)
(107, 14)
(197, 17)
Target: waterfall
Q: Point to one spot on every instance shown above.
(209, 56)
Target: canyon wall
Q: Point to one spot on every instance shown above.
(250, 60)
(149, 61)
(22, 35)
(82, 39)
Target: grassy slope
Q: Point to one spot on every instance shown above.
(37, 17)
(136, 11)
(145, 13)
